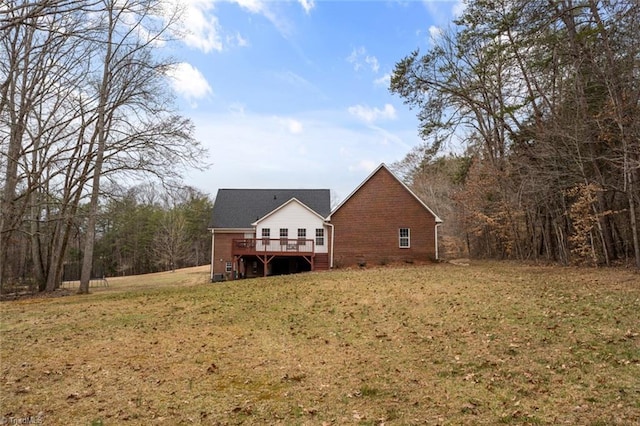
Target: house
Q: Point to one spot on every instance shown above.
(383, 221)
(260, 232)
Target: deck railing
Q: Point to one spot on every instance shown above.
(267, 245)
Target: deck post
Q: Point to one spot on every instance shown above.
(265, 262)
(267, 249)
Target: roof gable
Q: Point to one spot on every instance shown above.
(281, 207)
(376, 171)
(240, 208)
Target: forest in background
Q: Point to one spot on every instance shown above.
(87, 113)
(542, 100)
(146, 229)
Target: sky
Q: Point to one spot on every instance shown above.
(295, 94)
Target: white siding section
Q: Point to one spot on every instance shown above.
(294, 216)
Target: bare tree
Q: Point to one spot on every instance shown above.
(84, 99)
(135, 130)
(41, 66)
(171, 244)
(546, 95)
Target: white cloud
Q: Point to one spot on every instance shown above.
(435, 32)
(330, 153)
(200, 28)
(373, 62)
(371, 115)
(307, 5)
(254, 6)
(353, 57)
(237, 40)
(144, 33)
(384, 81)
(459, 8)
(437, 12)
(442, 16)
(293, 126)
(359, 57)
(189, 82)
(261, 7)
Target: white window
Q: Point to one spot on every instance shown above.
(266, 234)
(302, 236)
(228, 267)
(320, 236)
(284, 235)
(404, 235)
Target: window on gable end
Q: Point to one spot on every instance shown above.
(404, 237)
(302, 237)
(284, 235)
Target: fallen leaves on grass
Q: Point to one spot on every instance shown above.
(439, 344)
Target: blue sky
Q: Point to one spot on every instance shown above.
(294, 94)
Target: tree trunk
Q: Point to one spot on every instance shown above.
(101, 132)
(87, 259)
(633, 219)
(7, 204)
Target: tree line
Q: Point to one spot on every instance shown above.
(544, 97)
(146, 229)
(84, 108)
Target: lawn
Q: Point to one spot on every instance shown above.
(489, 343)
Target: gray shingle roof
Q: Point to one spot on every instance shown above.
(239, 208)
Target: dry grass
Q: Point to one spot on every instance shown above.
(488, 343)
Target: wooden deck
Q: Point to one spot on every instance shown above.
(277, 247)
(267, 250)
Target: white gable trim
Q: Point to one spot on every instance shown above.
(230, 230)
(438, 220)
(281, 206)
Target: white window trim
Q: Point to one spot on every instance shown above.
(408, 238)
(284, 236)
(318, 237)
